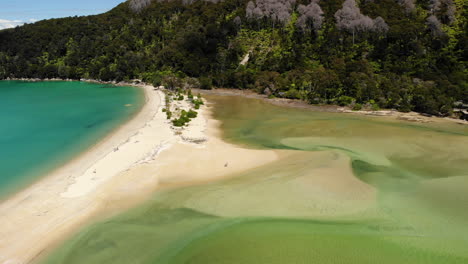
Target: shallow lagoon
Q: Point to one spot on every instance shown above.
(347, 189)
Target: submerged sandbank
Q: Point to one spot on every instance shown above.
(344, 189)
(355, 189)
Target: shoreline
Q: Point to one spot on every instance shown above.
(146, 154)
(59, 178)
(79, 155)
(295, 103)
(120, 171)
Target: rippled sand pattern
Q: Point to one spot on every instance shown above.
(346, 189)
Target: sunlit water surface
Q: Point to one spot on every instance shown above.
(347, 189)
(45, 124)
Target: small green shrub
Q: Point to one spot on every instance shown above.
(178, 122)
(157, 81)
(206, 83)
(293, 94)
(344, 100)
(404, 109)
(375, 107)
(189, 94)
(197, 103)
(192, 114)
(357, 107)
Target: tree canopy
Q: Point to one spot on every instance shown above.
(403, 54)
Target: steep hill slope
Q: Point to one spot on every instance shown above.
(403, 54)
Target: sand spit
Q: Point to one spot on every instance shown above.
(122, 170)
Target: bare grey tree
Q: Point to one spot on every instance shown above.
(237, 21)
(188, 2)
(310, 14)
(443, 8)
(249, 11)
(451, 10)
(408, 5)
(346, 16)
(350, 19)
(276, 10)
(138, 5)
(434, 6)
(435, 26)
(380, 25)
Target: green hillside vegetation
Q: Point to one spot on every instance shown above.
(378, 53)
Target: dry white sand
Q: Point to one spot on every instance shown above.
(122, 170)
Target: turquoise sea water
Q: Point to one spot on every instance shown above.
(45, 124)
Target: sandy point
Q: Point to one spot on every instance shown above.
(122, 170)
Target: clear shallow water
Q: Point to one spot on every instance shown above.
(347, 189)
(45, 124)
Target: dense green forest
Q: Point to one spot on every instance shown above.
(401, 54)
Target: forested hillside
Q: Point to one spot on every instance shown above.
(402, 54)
